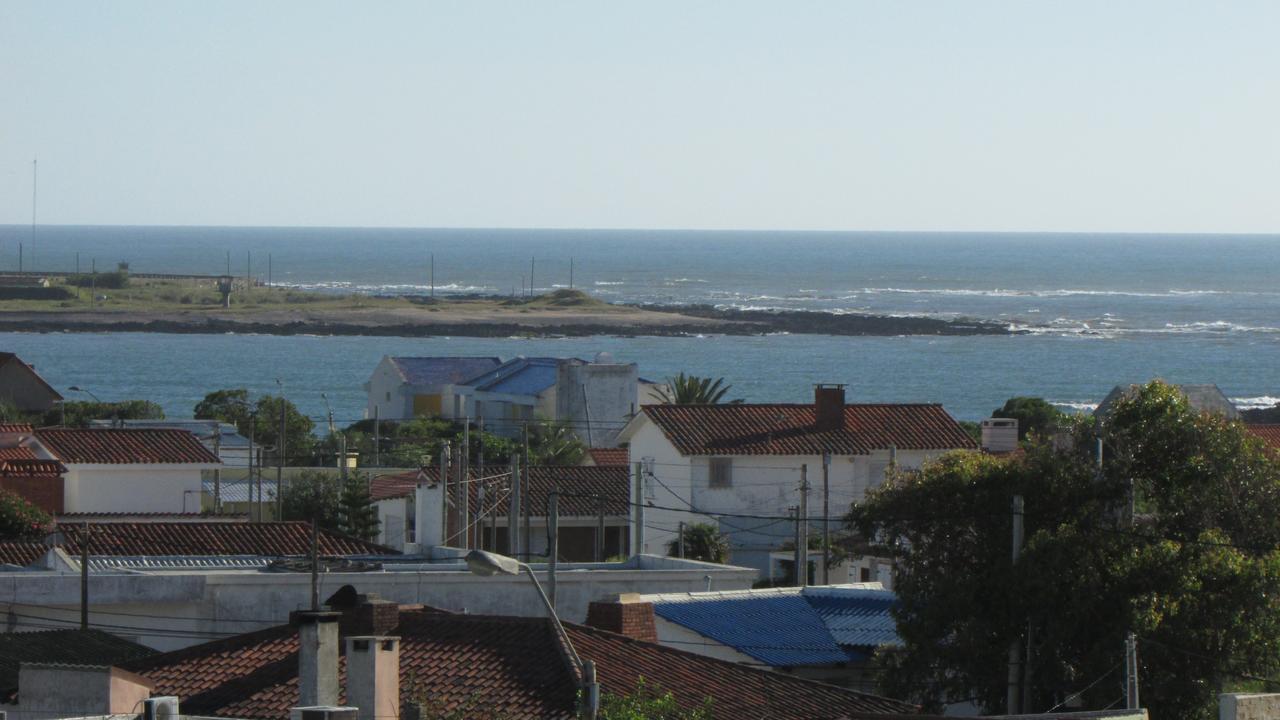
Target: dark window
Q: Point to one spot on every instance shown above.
(721, 472)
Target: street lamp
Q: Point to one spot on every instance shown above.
(487, 564)
(77, 388)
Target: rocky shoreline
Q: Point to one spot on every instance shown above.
(651, 321)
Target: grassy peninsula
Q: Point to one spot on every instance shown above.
(194, 305)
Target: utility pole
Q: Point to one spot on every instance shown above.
(433, 275)
(217, 472)
(599, 555)
(553, 539)
(315, 567)
(342, 459)
(84, 578)
(465, 485)
(526, 486)
(803, 547)
(444, 492)
(1131, 671)
(826, 518)
(513, 508)
(680, 542)
(377, 441)
(1013, 704)
(248, 270)
(459, 492)
(228, 263)
(570, 273)
(793, 513)
(253, 426)
(531, 266)
(638, 548)
(280, 446)
(269, 284)
(34, 184)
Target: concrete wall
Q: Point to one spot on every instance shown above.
(388, 392)
(682, 638)
(1239, 706)
(176, 609)
(395, 527)
(133, 488)
(61, 691)
(606, 394)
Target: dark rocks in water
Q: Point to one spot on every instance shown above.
(805, 322)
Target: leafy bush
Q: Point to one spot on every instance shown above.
(114, 280)
(19, 519)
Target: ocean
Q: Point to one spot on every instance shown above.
(1098, 310)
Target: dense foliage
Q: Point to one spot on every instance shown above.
(261, 421)
(645, 703)
(1195, 576)
(357, 515)
(702, 541)
(115, 280)
(78, 414)
(19, 519)
(1035, 415)
(313, 495)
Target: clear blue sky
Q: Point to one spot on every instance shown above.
(967, 115)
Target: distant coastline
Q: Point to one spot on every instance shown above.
(557, 314)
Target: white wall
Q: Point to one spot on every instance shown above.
(394, 524)
(133, 488)
(176, 609)
(682, 638)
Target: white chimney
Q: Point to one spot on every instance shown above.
(317, 658)
(999, 435)
(373, 676)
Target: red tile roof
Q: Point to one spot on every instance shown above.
(608, 456)
(273, 539)
(17, 453)
(1270, 434)
(579, 487)
(7, 427)
(117, 446)
(387, 487)
(31, 467)
(508, 665)
(791, 430)
(21, 554)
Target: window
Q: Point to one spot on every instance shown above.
(721, 472)
(388, 396)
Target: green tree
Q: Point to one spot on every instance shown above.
(693, 390)
(20, 520)
(1034, 415)
(645, 703)
(79, 413)
(554, 443)
(702, 541)
(229, 406)
(299, 441)
(357, 515)
(314, 494)
(1193, 579)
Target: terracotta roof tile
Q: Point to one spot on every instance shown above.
(579, 486)
(21, 554)
(387, 487)
(115, 446)
(7, 427)
(512, 666)
(608, 456)
(273, 539)
(791, 429)
(32, 467)
(1270, 434)
(17, 453)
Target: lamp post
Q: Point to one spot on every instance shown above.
(77, 388)
(487, 564)
(115, 420)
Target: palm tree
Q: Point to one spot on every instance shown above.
(693, 390)
(702, 541)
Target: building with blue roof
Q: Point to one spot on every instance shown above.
(828, 633)
(595, 398)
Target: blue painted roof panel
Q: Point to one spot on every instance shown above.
(518, 376)
(856, 617)
(780, 630)
(436, 371)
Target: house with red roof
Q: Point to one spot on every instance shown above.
(22, 386)
(125, 470)
(743, 467)
(390, 661)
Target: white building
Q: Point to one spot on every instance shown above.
(742, 466)
(594, 398)
(127, 470)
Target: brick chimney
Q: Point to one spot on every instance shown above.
(625, 615)
(373, 676)
(317, 658)
(364, 613)
(828, 406)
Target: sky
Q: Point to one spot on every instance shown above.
(1087, 116)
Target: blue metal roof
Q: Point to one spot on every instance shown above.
(788, 627)
(442, 370)
(856, 617)
(519, 376)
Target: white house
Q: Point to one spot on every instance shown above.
(594, 398)
(742, 466)
(127, 470)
